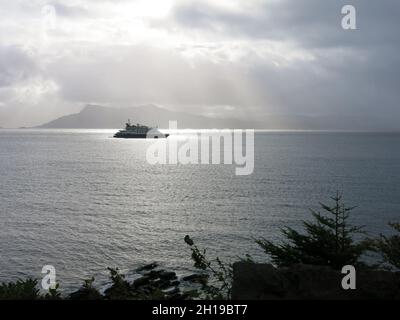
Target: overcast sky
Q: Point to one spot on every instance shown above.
(226, 58)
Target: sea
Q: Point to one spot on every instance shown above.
(82, 201)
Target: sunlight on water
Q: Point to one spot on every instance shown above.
(82, 201)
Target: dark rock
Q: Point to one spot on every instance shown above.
(145, 289)
(147, 267)
(165, 275)
(85, 294)
(195, 277)
(265, 282)
(191, 294)
(177, 296)
(154, 274)
(172, 291)
(257, 281)
(142, 281)
(162, 284)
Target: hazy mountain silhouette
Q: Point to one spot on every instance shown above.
(99, 117)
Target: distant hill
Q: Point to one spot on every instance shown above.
(99, 117)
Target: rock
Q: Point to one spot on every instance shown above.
(145, 280)
(149, 266)
(177, 296)
(85, 294)
(154, 274)
(165, 275)
(195, 277)
(162, 284)
(191, 294)
(171, 291)
(257, 281)
(253, 281)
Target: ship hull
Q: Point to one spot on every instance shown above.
(139, 136)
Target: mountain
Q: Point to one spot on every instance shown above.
(100, 117)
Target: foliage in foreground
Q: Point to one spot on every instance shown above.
(26, 290)
(328, 241)
(220, 286)
(389, 246)
(20, 290)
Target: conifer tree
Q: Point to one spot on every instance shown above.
(389, 246)
(327, 241)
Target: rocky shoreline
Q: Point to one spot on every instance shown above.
(153, 283)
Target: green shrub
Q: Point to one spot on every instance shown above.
(327, 241)
(222, 273)
(389, 247)
(20, 290)
(53, 294)
(86, 292)
(120, 289)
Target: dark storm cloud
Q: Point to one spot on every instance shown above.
(328, 86)
(311, 23)
(352, 72)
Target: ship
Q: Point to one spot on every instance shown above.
(139, 131)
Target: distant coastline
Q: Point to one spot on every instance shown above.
(101, 117)
(263, 130)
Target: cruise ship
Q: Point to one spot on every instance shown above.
(139, 132)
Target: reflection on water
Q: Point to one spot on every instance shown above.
(82, 201)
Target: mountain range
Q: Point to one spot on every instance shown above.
(100, 117)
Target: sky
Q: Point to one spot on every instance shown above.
(247, 59)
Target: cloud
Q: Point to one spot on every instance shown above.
(142, 74)
(309, 23)
(249, 59)
(65, 10)
(15, 65)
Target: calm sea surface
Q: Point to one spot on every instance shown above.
(82, 201)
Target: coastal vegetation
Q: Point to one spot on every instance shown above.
(389, 247)
(328, 241)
